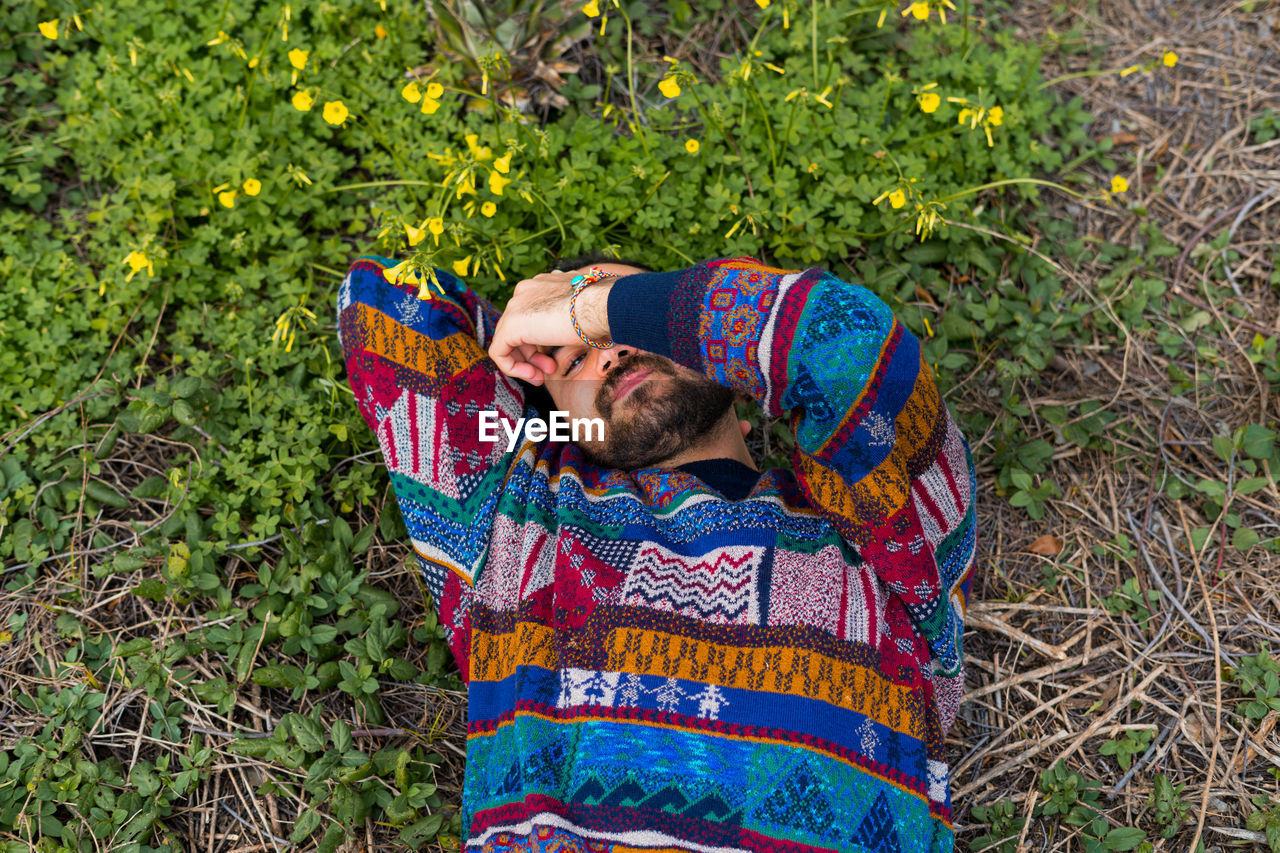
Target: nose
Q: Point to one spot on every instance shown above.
(608, 358)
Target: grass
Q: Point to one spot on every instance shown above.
(1121, 689)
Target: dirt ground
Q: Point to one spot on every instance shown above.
(1053, 674)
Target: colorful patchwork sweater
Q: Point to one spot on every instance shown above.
(704, 658)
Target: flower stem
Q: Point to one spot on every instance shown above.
(1008, 181)
(786, 137)
(560, 225)
(1095, 73)
(653, 189)
(727, 138)
(631, 85)
(813, 38)
(768, 126)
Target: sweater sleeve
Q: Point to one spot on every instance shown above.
(878, 453)
(421, 376)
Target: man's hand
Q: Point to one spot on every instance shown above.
(538, 316)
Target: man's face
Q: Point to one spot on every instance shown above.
(652, 408)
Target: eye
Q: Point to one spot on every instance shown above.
(573, 363)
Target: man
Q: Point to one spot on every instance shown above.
(665, 648)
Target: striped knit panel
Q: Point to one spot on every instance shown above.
(877, 450)
(634, 698)
(420, 377)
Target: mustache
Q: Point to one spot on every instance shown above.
(645, 361)
(631, 363)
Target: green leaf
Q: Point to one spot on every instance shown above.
(308, 733)
(279, 675)
(1259, 442)
(1244, 538)
(417, 834)
(1252, 484)
(142, 645)
(1124, 838)
(151, 588)
(340, 733)
(305, 825)
(363, 539)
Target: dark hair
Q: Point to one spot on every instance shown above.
(580, 261)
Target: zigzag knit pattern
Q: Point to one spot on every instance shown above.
(650, 664)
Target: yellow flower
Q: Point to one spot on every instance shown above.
(1170, 59)
(497, 182)
(927, 218)
(929, 101)
(478, 152)
(411, 92)
(467, 185)
(995, 116)
(415, 234)
(460, 267)
(488, 208)
(435, 226)
(592, 9)
(691, 146)
(429, 106)
(303, 100)
(227, 198)
(1119, 184)
(252, 186)
(298, 58)
(335, 112)
(137, 262)
(380, 31)
(49, 29)
(763, 4)
(897, 199)
(920, 11)
(503, 163)
(1130, 70)
(434, 90)
(669, 87)
(401, 273)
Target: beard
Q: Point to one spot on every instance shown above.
(671, 410)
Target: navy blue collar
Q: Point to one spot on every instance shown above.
(729, 477)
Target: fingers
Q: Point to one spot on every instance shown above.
(543, 362)
(521, 360)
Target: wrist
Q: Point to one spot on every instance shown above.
(589, 307)
(593, 310)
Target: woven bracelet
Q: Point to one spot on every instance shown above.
(578, 284)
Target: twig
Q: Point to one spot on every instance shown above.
(257, 829)
(978, 619)
(1155, 574)
(1039, 674)
(1249, 205)
(1116, 708)
(1217, 673)
(47, 415)
(1138, 765)
(136, 540)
